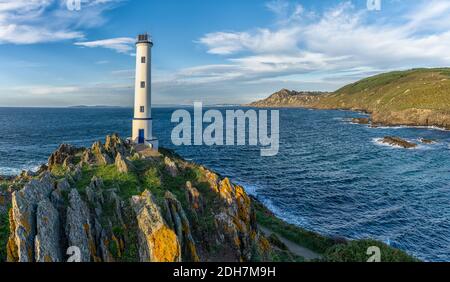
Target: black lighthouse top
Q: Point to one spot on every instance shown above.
(144, 38)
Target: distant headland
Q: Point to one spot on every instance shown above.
(417, 97)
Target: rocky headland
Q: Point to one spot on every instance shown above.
(418, 97)
(115, 202)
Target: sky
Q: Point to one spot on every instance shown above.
(214, 51)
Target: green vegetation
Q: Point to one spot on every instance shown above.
(332, 250)
(308, 239)
(128, 183)
(4, 234)
(285, 256)
(396, 91)
(412, 97)
(59, 171)
(275, 241)
(356, 251)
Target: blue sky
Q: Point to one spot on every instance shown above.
(232, 51)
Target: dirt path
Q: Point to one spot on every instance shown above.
(293, 247)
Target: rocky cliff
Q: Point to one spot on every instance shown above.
(117, 202)
(414, 97)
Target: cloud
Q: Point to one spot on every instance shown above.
(339, 39)
(39, 21)
(262, 40)
(66, 95)
(123, 45)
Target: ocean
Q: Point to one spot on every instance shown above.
(330, 176)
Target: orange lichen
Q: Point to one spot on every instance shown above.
(47, 258)
(165, 246)
(11, 247)
(264, 244)
(93, 251)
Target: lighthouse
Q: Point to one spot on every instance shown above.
(142, 121)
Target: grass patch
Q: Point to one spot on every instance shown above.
(59, 171)
(4, 185)
(4, 234)
(127, 183)
(356, 251)
(285, 256)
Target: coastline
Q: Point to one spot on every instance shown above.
(377, 122)
(64, 163)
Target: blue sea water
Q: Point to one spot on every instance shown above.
(330, 176)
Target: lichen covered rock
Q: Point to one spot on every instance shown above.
(79, 227)
(171, 167)
(157, 241)
(122, 164)
(47, 240)
(23, 216)
(179, 222)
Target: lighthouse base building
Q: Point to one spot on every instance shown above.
(142, 132)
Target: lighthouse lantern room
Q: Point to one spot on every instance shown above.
(142, 121)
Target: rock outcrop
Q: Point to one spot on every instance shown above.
(157, 241)
(171, 167)
(179, 222)
(397, 141)
(23, 226)
(47, 240)
(63, 156)
(122, 215)
(123, 165)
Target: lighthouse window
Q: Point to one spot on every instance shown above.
(142, 109)
(142, 84)
(143, 60)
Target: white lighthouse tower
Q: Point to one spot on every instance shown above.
(142, 121)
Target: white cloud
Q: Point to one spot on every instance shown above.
(340, 39)
(37, 21)
(260, 41)
(122, 45)
(66, 95)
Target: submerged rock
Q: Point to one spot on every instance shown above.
(397, 141)
(427, 141)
